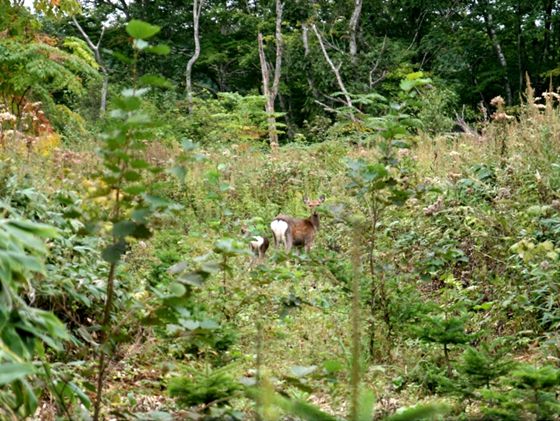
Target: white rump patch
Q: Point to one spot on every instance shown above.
(257, 241)
(279, 228)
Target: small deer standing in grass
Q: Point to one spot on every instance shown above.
(295, 231)
(258, 245)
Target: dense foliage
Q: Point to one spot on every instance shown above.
(128, 284)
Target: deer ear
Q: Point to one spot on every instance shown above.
(322, 198)
(305, 200)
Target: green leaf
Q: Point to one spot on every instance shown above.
(113, 253)
(40, 230)
(160, 49)
(333, 366)
(366, 404)
(155, 80)
(121, 57)
(188, 145)
(157, 201)
(84, 399)
(419, 412)
(177, 268)
(177, 289)
(301, 371)
(209, 324)
(135, 189)
(195, 279)
(141, 30)
(178, 171)
(123, 228)
(139, 164)
(14, 371)
(132, 175)
(142, 231)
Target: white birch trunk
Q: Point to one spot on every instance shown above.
(95, 48)
(197, 9)
(270, 92)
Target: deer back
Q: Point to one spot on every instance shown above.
(301, 231)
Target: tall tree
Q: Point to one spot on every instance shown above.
(490, 29)
(197, 10)
(354, 29)
(271, 91)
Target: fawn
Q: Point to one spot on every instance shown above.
(258, 245)
(295, 231)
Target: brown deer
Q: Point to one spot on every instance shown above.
(295, 231)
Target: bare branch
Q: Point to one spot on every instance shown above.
(100, 37)
(84, 35)
(376, 65)
(334, 69)
(326, 107)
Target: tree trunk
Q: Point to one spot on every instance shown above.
(354, 29)
(499, 51)
(95, 48)
(520, 47)
(286, 110)
(549, 7)
(104, 89)
(197, 9)
(309, 74)
(270, 92)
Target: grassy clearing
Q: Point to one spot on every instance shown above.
(477, 241)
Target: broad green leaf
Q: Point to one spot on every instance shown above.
(157, 201)
(123, 228)
(155, 80)
(177, 289)
(302, 371)
(209, 324)
(14, 371)
(113, 253)
(179, 171)
(135, 189)
(159, 49)
(132, 175)
(141, 30)
(190, 324)
(40, 230)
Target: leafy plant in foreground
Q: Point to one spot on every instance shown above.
(124, 180)
(23, 328)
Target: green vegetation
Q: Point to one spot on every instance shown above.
(128, 288)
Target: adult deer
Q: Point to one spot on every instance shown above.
(295, 231)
